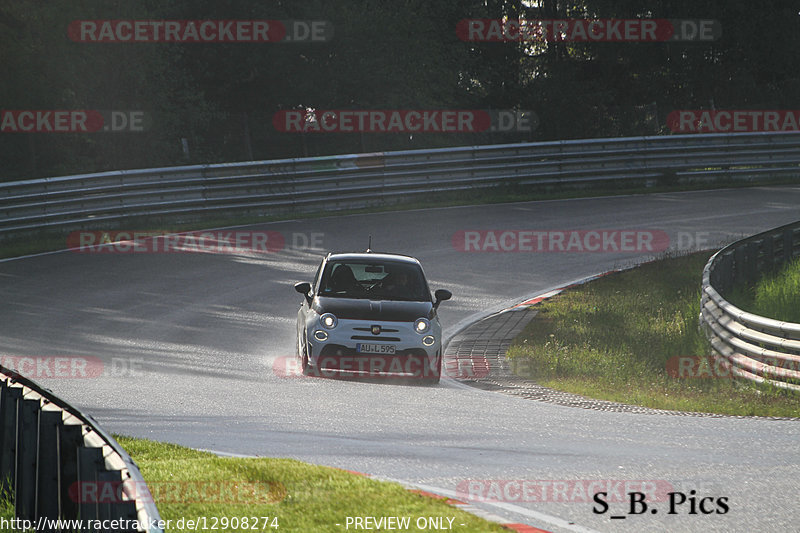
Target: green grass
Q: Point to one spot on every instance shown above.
(775, 295)
(7, 514)
(613, 339)
(6, 511)
(302, 497)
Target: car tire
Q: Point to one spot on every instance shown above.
(302, 352)
(437, 374)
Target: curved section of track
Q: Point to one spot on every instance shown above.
(191, 344)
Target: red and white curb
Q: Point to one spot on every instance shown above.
(549, 294)
(481, 513)
(429, 492)
(437, 493)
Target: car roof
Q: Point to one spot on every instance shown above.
(371, 256)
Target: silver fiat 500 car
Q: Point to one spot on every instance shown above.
(370, 314)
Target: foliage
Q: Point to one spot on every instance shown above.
(775, 295)
(383, 55)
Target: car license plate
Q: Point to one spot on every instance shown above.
(375, 348)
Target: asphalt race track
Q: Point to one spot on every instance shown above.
(194, 348)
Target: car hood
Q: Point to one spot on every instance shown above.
(362, 309)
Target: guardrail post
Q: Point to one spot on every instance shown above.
(114, 508)
(125, 511)
(755, 250)
(788, 245)
(90, 462)
(745, 259)
(27, 438)
(769, 255)
(8, 435)
(108, 489)
(47, 493)
(751, 261)
(738, 266)
(70, 439)
(721, 275)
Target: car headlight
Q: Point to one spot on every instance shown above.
(428, 340)
(320, 335)
(422, 325)
(328, 320)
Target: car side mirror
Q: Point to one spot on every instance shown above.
(441, 295)
(304, 288)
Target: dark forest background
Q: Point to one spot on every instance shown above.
(399, 54)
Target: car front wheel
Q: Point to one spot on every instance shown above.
(302, 354)
(437, 370)
(304, 366)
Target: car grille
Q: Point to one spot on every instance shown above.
(374, 338)
(379, 337)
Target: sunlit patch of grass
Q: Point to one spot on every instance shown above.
(775, 295)
(296, 496)
(7, 514)
(613, 339)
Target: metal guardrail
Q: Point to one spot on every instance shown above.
(753, 347)
(330, 183)
(51, 454)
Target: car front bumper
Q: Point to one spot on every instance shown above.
(340, 348)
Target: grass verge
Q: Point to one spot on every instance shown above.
(617, 337)
(294, 496)
(776, 295)
(6, 511)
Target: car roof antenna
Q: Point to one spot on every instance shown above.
(369, 246)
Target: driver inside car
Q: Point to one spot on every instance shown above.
(397, 283)
(343, 280)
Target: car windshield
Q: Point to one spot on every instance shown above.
(374, 280)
